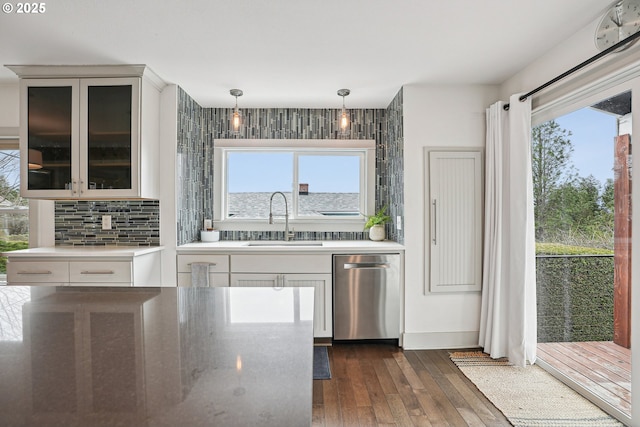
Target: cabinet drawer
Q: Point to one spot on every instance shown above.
(37, 272)
(215, 279)
(217, 263)
(100, 272)
(281, 263)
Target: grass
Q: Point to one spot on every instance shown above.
(560, 249)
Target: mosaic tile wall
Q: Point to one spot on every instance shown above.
(192, 168)
(134, 223)
(299, 123)
(393, 167)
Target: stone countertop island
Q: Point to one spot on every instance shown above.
(156, 356)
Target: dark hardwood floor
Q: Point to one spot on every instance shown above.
(382, 385)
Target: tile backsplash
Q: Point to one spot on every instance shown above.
(133, 222)
(198, 128)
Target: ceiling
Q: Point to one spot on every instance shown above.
(297, 53)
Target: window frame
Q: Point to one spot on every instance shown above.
(365, 149)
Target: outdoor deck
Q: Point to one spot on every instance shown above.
(600, 371)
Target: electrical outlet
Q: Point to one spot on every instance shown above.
(399, 222)
(106, 222)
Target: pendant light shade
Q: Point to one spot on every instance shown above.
(35, 159)
(236, 117)
(344, 116)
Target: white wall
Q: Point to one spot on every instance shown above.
(168, 203)
(439, 117)
(10, 105)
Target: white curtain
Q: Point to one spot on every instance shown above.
(508, 314)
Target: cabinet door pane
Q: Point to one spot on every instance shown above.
(109, 137)
(49, 141)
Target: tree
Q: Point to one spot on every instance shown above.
(551, 151)
(10, 178)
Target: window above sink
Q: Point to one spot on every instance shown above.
(328, 184)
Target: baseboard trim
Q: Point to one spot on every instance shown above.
(439, 340)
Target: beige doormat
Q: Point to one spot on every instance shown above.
(529, 397)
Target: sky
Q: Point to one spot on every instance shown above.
(268, 172)
(592, 134)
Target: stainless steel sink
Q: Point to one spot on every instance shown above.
(285, 243)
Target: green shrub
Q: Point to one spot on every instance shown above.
(575, 298)
(7, 246)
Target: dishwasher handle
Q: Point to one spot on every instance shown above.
(366, 265)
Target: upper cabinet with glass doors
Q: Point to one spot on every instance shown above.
(84, 137)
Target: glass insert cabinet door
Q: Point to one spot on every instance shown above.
(52, 116)
(82, 137)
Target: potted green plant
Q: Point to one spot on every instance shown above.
(375, 224)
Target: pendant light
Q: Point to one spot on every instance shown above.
(236, 117)
(344, 116)
(35, 159)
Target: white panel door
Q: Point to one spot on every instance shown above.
(455, 220)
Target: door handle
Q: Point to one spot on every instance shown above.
(366, 265)
(34, 272)
(97, 272)
(435, 221)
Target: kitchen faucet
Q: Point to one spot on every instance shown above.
(287, 235)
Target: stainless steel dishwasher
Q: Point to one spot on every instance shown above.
(366, 296)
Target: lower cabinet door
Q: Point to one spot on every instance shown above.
(323, 300)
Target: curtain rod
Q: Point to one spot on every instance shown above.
(594, 58)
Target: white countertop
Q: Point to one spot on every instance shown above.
(332, 246)
(83, 251)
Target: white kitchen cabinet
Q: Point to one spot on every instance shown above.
(141, 270)
(454, 227)
(218, 268)
(88, 138)
(294, 270)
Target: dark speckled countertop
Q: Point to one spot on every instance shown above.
(155, 356)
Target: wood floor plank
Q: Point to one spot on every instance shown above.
(452, 400)
(592, 371)
(471, 418)
(357, 382)
(381, 385)
(366, 416)
(559, 361)
(405, 389)
(388, 386)
(339, 358)
(317, 415)
(408, 371)
(607, 365)
(376, 393)
(332, 414)
(473, 400)
(348, 409)
(317, 393)
(399, 411)
(421, 421)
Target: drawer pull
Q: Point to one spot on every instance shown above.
(34, 272)
(211, 264)
(97, 272)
